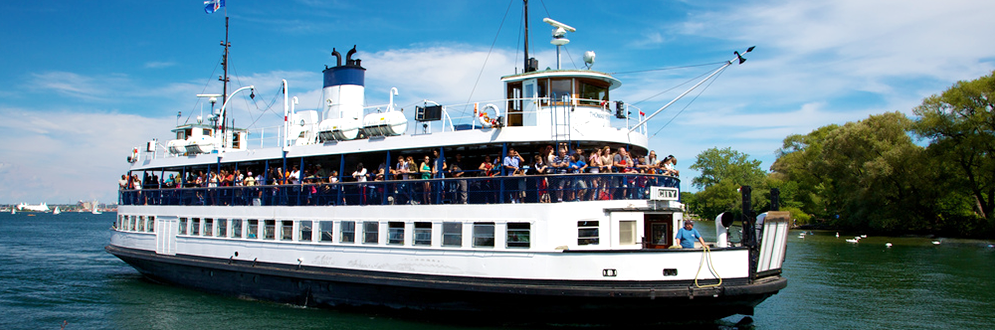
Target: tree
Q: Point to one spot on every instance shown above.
(722, 172)
(961, 127)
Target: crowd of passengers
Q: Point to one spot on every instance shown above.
(315, 178)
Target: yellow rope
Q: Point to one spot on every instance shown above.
(711, 268)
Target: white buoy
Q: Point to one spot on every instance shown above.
(936, 242)
(852, 240)
(837, 234)
(887, 244)
(863, 236)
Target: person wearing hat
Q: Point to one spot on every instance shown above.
(687, 235)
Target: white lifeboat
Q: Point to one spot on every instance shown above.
(339, 129)
(390, 123)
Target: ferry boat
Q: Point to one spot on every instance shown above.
(473, 235)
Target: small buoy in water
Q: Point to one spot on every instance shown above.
(936, 242)
(837, 234)
(887, 244)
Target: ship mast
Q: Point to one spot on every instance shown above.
(224, 77)
(526, 67)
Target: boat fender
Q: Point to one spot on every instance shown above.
(485, 119)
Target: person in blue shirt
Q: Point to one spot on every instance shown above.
(687, 235)
(577, 165)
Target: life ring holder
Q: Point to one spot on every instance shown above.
(484, 119)
(134, 156)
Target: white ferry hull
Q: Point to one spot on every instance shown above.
(586, 301)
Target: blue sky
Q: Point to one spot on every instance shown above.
(82, 82)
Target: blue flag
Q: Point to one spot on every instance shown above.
(212, 6)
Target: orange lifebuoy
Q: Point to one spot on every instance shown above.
(484, 118)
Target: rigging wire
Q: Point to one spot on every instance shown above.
(669, 68)
(688, 105)
(481, 73)
(672, 88)
(208, 83)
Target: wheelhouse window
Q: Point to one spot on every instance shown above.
(195, 227)
(587, 233)
(395, 233)
(252, 230)
(222, 227)
(208, 227)
(305, 234)
(236, 228)
(452, 234)
(348, 232)
(518, 235)
(423, 233)
(286, 230)
(183, 226)
(559, 88)
(592, 92)
(269, 229)
(483, 234)
(326, 231)
(371, 231)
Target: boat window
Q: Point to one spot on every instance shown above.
(452, 234)
(305, 235)
(207, 132)
(127, 223)
(395, 233)
(326, 231)
(236, 228)
(348, 232)
(423, 233)
(252, 230)
(592, 92)
(626, 232)
(587, 233)
(543, 85)
(141, 223)
(371, 231)
(559, 88)
(269, 229)
(151, 226)
(183, 226)
(208, 227)
(518, 235)
(222, 228)
(195, 227)
(120, 222)
(287, 230)
(483, 234)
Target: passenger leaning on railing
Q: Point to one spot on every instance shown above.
(579, 187)
(561, 163)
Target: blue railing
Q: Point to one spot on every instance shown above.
(475, 190)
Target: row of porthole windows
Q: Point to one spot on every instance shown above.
(136, 223)
(482, 234)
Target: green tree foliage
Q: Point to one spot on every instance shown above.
(722, 172)
(960, 125)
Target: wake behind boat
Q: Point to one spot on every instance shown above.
(494, 219)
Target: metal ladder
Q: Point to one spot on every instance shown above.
(561, 120)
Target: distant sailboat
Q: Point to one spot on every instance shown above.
(56, 211)
(13, 211)
(96, 209)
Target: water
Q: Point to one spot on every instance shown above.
(54, 269)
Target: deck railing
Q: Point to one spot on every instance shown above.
(475, 190)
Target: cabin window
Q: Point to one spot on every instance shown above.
(371, 232)
(286, 230)
(183, 226)
(141, 223)
(207, 132)
(395, 233)
(518, 235)
(127, 223)
(181, 135)
(423, 233)
(120, 222)
(305, 235)
(452, 234)
(348, 232)
(326, 231)
(252, 230)
(559, 88)
(222, 227)
(483, 234)
(543, 85)
(195, 227)
(587, 233)
(208, 227)
(269, 229)
(236, 228)
(591, 92)
(626, 232)
(151, 225)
